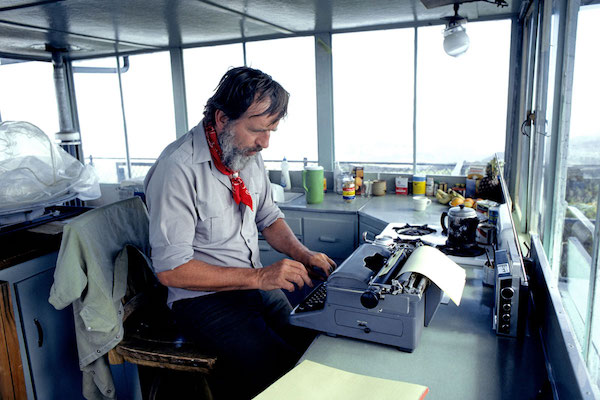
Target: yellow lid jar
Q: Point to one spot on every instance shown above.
(418, 185)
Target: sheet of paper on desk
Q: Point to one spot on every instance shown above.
(314, 381)
(435, 265)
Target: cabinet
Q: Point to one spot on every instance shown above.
(372, 226)
(334, 234)
(269, 255)
(46, 336)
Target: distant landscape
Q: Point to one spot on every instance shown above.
(583, 174)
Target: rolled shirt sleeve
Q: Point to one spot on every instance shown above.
(170, 195)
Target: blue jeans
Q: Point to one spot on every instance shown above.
(249, 332)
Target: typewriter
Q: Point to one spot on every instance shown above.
(368, 297)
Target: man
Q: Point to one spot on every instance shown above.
(208, 196)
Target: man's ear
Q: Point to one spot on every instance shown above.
(220, 120)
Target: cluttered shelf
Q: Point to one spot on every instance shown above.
(30, 239)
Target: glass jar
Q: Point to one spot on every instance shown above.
(348, 188)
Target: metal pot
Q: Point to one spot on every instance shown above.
(462, 226)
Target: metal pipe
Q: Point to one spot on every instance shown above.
(65, 121)
(127, 159)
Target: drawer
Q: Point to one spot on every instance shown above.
(334, 235)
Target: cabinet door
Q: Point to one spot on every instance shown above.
(372, 226)
(269, 255)
(332, 234)
(50, 340)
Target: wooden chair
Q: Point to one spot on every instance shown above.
(152, 338)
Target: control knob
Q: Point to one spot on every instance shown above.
(507, 293)
(370, 298)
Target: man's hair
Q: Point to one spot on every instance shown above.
(242, 86)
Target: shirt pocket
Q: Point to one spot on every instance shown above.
(209, 215)
(98, 318)
(256, 189)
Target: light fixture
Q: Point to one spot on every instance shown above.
(456, 41)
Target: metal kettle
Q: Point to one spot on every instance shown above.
(462, 226)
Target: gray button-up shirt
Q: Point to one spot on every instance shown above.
(193, 215)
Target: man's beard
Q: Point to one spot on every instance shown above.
(234, 157)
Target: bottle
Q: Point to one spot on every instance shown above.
(348, 193)
(429, 186)
(337, 178)
(286, 183)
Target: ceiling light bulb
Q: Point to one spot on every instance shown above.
(456, 41)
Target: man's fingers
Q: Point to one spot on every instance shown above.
(305, 277)
(297, 279)
(332, 264)
(323, 263)
(289, 286)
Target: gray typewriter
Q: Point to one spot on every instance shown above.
(368, 297)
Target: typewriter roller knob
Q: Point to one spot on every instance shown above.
(370, 298)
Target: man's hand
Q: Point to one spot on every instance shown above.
(318, 265)
(282, 275)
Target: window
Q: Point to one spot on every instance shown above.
(149, 115)
(291, 62)
(204, 67)
(27, 94)
(100, 117)
(462, 101)
(373, 96)
(582, 190)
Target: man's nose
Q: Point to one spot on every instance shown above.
(263, 139)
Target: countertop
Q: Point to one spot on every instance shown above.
(459, 355)
(332, 202)
(388, 208)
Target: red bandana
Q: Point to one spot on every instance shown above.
(240, 192)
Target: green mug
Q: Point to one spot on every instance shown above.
(312, 180)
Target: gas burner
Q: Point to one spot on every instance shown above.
(462, 251)
(414, 230)
(410, 244)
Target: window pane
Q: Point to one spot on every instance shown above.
(373, 96)
(100, 118)
(27, 94)
(149, 113)
(461, 102)
(583, 180)
(291, 62)
(548, 169)
(204, 67)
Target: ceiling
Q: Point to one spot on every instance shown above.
(92, 28)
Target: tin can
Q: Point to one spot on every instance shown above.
(486, 233)
(482, 210)
(418, 185)
(493, 213)
(489, 275)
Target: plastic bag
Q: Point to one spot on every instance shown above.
(33, 170)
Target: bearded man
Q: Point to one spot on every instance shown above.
(208, 196)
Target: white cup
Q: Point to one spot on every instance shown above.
(420, 203)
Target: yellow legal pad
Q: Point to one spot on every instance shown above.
(314, 381)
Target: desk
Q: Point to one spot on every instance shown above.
(459, 356)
